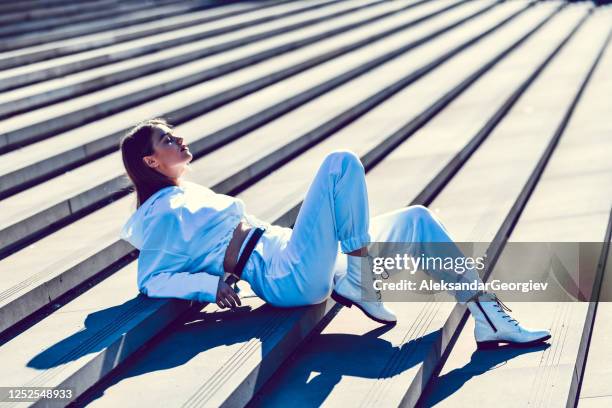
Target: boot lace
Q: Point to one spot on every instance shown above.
(371, 266)
(501, 307)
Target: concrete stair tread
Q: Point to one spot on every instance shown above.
(243, 146)
(246, 106)
(35, 33)
(93, 133)
(87, 35)
(115, 67)
(299, 169)
(61, 250)
(585, 136)
(207, 357)
(128, 49)
(515, 133)
(285, 384)
(28, 126)
(118, 92)
(79, 83)
(74, 345)
(473, 369)
(419, 146)
(82, 341)
(120, 65)
(224, 340)
(597, 373)
(240, 156)
(23, 350)
(31, 154)
(545, 373)
(231, 156)
(53, 13)
(443, 116)
(13, 6)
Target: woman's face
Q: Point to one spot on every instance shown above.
(170, 155)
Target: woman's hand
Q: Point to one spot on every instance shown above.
(226, 297)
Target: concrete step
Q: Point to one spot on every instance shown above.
(72, 192)
(54, 59)
(92, 336)
(93, 51)
(545, 372)
(243, 375)
(389, 376)
(136, 24)
(77, 13)
(48, 92)
(102, 328)
(595, 349)
(134, 317)
(549, 376)
(594, 388)
(63, 151)
(37, 14)
(85, 338)
(226, 154)
(24, 5)
(588, 215)
(338, 114)
(44, 122)
(478, 119)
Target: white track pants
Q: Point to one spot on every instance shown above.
(295, 267)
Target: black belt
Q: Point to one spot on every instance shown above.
(236, 274)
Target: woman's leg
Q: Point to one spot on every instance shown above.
(423, 234)
(336, 209)
(419, 225)
(333, 218)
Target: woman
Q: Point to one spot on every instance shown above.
(190, 237)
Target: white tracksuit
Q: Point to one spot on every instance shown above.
(182, 233)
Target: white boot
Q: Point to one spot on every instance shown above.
(348, 291)
(494, 326)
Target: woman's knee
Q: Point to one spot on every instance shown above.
(343, 160)
(421, 213)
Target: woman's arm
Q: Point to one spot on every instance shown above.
(161, 273)
(162, 267)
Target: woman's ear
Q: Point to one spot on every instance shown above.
(150, 161)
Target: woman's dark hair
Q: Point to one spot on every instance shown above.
(136, 144)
